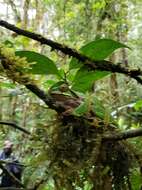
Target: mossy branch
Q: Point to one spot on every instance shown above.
(10, 63)
(12, 66)
(119, 136)
(123, 135)
(94, 65)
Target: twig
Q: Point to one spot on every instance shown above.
(15, 126)
(94, 65)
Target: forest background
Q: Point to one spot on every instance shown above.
(74, 23)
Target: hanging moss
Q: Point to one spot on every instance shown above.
(78, 147)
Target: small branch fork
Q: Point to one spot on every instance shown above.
(94, 65)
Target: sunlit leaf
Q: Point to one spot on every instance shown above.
(97, 50)
(101, 48)
(138, 105)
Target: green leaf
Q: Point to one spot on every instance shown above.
(101, 111)
(81, 109)
(98, 108)
(55, 86)
(74, 64)
(85, 78)
(91, 103)
(138, 105)
(101, 48)
(97, 50)
(43, 65)
(47, 84)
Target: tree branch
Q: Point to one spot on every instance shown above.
(47, 98)
(15, 126)
(60, 102)
(50, 100)
(123, 135)
(94, 65)
(115, 137)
